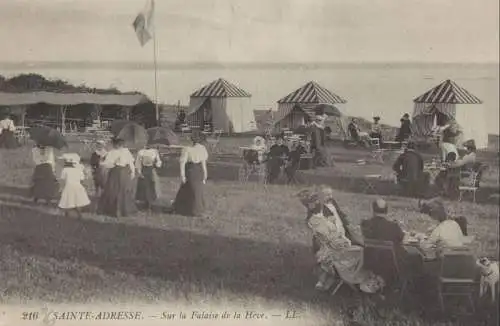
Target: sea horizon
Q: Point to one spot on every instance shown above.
(386, 89)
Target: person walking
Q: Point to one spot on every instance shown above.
(148, 184)
(189, 200)
(74, 196)
(117, 198)
(44, 183)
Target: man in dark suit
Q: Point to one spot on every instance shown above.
(409, 168)
(379, 228)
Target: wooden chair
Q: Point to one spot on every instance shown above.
(380, 257)
(457, 276)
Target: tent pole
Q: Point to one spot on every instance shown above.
(63, 119)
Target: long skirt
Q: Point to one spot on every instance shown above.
(148, 189)
(190, 200)
(117, 199)
(274, 165)
(44, 183)
(100, 176)
(8, 140)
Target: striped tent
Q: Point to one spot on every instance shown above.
(223, 106)
(308, 95)
(450, 101)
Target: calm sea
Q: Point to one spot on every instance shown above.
(370, 89)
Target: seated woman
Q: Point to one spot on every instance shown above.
(448, 233)
(278, 153)
(376, 131)
(259, 145)
(336, 254)
(294, 161)
(448, 180)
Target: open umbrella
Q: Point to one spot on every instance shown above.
(134, 135)
(162, 136)
(46, 136)
(117, 126)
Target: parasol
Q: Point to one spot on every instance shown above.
(46, 136)
(162, 136)
(117, 126)
(134, 135)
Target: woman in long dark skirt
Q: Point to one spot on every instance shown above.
(117, 198)
(148, 190)
(7, 136)
(99, 172)
(44, 182)
(193, 165)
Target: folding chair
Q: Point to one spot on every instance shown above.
(457, 276)
(471, 183)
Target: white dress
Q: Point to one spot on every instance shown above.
(74, 194)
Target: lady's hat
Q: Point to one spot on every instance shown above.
(197, 136)
(470, 144)
(73, 158)
(308, 197)
(376, 118)
(379, 207)
(258, 139)
(100, 142)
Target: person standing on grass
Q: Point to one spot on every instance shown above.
(276, 159)
(74, 196)
(376, 131)
(99, 172)
(148, 184)
(189, 200)
(44, 183)
(7, 137)
(404, 131)
(117, 198)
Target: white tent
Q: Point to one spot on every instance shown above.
(448, 100)
(294, 108)
(224, 105)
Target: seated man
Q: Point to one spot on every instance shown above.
(379, 228)
(409, 168)
(294, 161)
(277, 155)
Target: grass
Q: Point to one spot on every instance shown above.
(252, 253)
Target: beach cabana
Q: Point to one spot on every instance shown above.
(295, 108)
(61, 105)
(223, 105)
(449, 100)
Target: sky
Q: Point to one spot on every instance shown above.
(253, 31)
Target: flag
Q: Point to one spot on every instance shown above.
(143, 23)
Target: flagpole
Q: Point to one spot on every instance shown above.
(155, 66)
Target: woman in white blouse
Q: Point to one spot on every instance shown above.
(44, 183)
(117, 198)
(193, 165)
(148, 190)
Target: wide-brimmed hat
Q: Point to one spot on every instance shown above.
(308, 197)
(376, 118)
(73, 158)
(197, 136)
(470, 144)
(380, 207)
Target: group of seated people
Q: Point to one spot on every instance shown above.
(365, 138)
(277, 157)
(409, 168)
(340, 252)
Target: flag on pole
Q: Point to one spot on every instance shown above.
(143, 23)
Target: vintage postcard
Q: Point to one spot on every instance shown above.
(249, 162)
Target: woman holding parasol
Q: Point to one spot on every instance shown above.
(7, 137)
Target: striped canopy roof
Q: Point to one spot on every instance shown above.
(448, 92)
(220, 88)
(312, 92)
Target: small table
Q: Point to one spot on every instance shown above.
(433, 172)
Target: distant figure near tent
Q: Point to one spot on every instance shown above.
(318, 142)
(404, 131)
(450, 101)
(7, 136)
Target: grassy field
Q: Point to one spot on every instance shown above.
(253, 250)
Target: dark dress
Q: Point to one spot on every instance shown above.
(276, 159)
(353, 132)
(294, 163)
(8, 140)
(99, 173)
(117, 199)
(189, 200)
(404, 132)
(44, 183)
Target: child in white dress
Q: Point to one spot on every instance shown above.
(74, 196)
